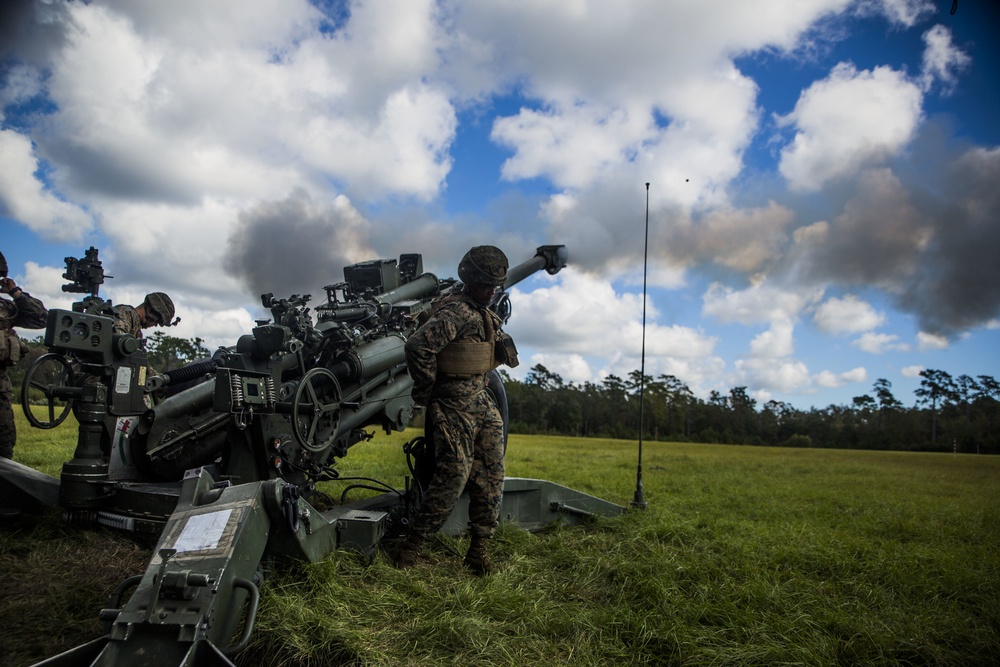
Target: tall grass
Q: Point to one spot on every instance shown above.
(744, 556)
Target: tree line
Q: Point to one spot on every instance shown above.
(949, 414)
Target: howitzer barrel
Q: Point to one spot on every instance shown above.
(424, 286)
(552, 258)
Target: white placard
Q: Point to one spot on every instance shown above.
(123, 380)
(202, 531)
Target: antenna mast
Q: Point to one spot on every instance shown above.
(639, 499)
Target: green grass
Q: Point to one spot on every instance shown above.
(744, 556)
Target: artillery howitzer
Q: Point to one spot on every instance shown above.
(224, 471)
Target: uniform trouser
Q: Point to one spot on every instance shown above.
(8, 431)
(468, 449)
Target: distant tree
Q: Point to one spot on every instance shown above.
(935, 388)
(167, 353)
(679, 399)
(543, 378)
(886, 401)
(744, 409)
(864, 406)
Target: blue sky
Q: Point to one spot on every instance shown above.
(823, 209)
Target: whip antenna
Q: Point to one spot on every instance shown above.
(639, 499)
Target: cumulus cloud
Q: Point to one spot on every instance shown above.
(775, 342)
(833, 380)
(906, 12)
(847, 315)
(584, 319)
(878, 343)
(846, 121)
(763, 302)
(941, 59)
(787, 375)
(929, 341)
(24, 198)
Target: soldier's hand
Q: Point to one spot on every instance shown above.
(7, 285)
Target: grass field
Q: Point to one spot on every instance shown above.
(744, 556)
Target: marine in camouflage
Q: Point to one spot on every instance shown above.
(25, 311)
(157, 309)
(127, 321)
(467, 429)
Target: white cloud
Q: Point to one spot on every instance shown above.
(906, 12)
(579, 320)
(911, 371)
(847, 121)
(758, 303)
(859, 374)
(775, 342)
(942, 59)
(833, 380)
(929, 341)
(23, 197)
(878, 343)
(785, 376)
(847, 315)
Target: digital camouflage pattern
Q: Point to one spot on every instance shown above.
(467, 427)
(29, 313)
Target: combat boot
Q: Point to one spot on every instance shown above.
(478, 557)
(409, 551)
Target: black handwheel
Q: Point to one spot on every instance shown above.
(59, 389)
(307, 399)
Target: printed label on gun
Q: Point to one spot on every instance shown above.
(123, 380)
(202, 531)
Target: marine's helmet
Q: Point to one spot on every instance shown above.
(161, 305)
(483, 265)
(3, 266)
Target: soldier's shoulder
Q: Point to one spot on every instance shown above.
(459, 303)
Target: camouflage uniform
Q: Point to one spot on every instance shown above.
(467, 426)
(22, 311)
(156, 305)
(127, 321)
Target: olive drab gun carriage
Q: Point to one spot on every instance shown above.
(223, 471)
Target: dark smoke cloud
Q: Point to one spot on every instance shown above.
(876, 241)
(296, 246)
(30, 29)
(958, 281)
(929, 237)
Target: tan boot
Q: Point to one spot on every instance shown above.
(478, 557)
(409, 551)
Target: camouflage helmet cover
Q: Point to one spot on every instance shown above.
(161, 304)
(483, 265)
(3, 266)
